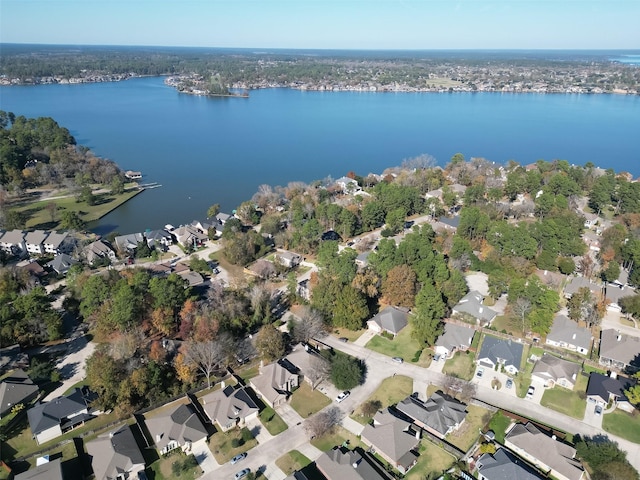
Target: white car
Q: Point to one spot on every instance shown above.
(342, 396)
(531, 391)
(480, 372)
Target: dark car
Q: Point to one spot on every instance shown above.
(343, 339)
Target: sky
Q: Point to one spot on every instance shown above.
(326, 24)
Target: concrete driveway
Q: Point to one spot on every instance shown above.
(487, 379)
(72, 365)
(590, 417)
(478, 281)
(204, 457)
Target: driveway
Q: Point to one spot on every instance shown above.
(590, 417)
(260, 433)
(479, 282)
(72, 365)
(204, 457)
(487, 378)
(289, 415)
(363, 339)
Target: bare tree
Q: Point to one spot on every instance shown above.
(206, 356)
(310, 325)
(421, 162)
(319, 370)
(467, 392)
(322, 422)
(521, 308)
(459, 388)
(264, 269)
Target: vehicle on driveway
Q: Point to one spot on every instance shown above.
(531, 391)
(342, 396)
(598, 410)
(436, 357)
(398, 359)
(343, 339)
(509, 383)
(480, 372)
(242, 473)
(237, 458)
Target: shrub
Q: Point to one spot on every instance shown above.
(246, 435)
(416, 356)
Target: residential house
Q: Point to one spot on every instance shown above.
(51, 470)
(51, 419)
(304, 290)
(565, 333)
(15, 389)
(447, 224)
(12, 242)
(34, 241)
(390, 320)
(552, 371)
(576, 283)
(393, 439)
(590, 219)
(178, 427)
(159, 269)
(288, 259)
(342, 464)
(127, 244)
(189, 236)
(230, 406)
(61, 263)
(347, 185)
(275, 383)
(99, 249)
(496, 351)
(362, 260)
(454, 338)
(548, 454)
(115, 455)
(303, 359)
(440, 415)
(193, 278)
(504, 465)
(57, 243)
(603, 389)
(160, 239)
(33, 270)
(619, 350)
(613, 292)
(471, 304)
(223, 217)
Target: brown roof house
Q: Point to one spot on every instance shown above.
(275, 383)
(439, 415)
(342, 464)
(179, 427)
(116, 455)
(553, 371)
(16, 389)
(618, 350)
(230, 406)
(565, 333)
(548, 454)
(393, 439)
(390, 320)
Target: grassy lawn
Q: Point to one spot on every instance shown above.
(351, 335)
(292, 461)
(390, 392)
(499, 424)
(338, 436)
(307, 402)
(39, 216)
(622, 424)
(249, 372)
(162, 468)
(272, 421)
(402, 346)
(461, 365)
(564, 401)
(220, 444)
(432, 460)
(468, 432)
(589, 369)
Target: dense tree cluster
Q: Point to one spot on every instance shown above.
(605, 459)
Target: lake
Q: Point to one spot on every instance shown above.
(219, 150)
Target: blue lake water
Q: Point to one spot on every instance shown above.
(219, 150)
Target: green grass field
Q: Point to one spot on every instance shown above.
(432, 462)
(307, 402)
(221, 445)
(468, 432)
(272, 421)
(569, 402)
(622, 424)
(461, 365)
(292, 461)
(402, 346)
(390, 392)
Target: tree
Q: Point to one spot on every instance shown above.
(213, 210)
(323, 422)
(319, 370)
(633, 393)
(206, 356)
(104, 376)
(612, 272)
(311, 325)
(399, 288)
(346, 372)
(70, 220)
(52, 208)
(270, 343)
(350, 308)
(370, 408)
(521, 308)
(395, 219)
(428, 314)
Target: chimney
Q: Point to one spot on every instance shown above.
(618, 337)
(417, 434)
(158, 437)
(613, 375)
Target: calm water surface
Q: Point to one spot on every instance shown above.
(219, 150)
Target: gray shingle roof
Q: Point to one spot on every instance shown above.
(454, 336)
(114, 453)
(471, 303)
(504, 465)
(620, 347)
(15, 389)
(338, 464)
(391, 435)
(566, 330)
(554, 368)
(36, 237)
(391, 319)
(62, 263)
(228, 404)
(495, 348)
(49, 414)
(182, 424)
(440, 412)
(48, 471)
(602, 386)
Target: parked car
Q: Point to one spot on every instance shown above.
(436, 357)
(398, 359)
(242, 473)
(343, 339)
(342, 396)
(237, 458)
(598, 410)
(480, 372)
(531, 391)
(509, 383)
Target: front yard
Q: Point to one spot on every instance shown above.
(292, 461)
(498, 425)
(390, 392)
(432, 462)
(622, 424)
(460, 366)
(222, 444)
(163, 468)
(307, 402)
(272, 421)
(402, 346)
(337, 436)
(570, 402)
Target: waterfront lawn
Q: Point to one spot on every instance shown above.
(460, 366)
(39, 217)
(292, 461)
(390, 392)
(337, 436)
(468, 432)
(272, 421)
(622, 424)
(569, 402)
(307, 402)
(432, 462)
(403, 346)
(221, 444)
